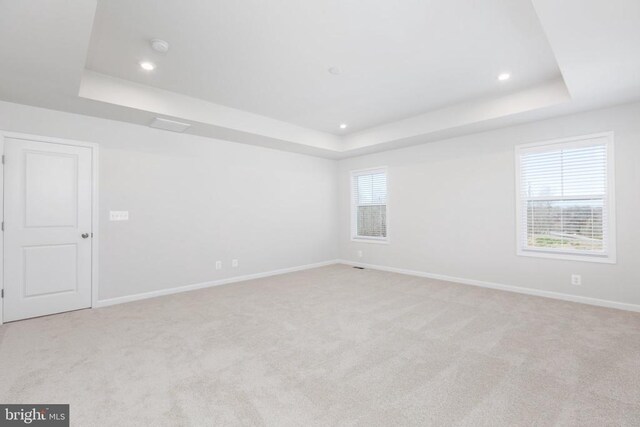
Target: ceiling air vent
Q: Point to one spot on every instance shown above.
(170, 125)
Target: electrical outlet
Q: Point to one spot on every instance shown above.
(218, 265)
(359, 254)
(234, 263)
(576, 279)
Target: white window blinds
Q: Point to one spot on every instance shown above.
(564, 196)
(369, 204)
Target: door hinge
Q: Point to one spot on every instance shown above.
(2, 225)
(3, 159)
(2, 293)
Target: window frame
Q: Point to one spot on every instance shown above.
(609, 256)
(354, 211)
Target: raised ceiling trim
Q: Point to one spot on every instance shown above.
(103, 88)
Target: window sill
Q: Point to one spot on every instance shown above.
(384, 241)
(567, 256)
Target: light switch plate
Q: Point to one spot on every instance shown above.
(118, 215)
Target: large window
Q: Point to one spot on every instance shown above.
(565, 199)
(369, 205)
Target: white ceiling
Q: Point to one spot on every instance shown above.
(255, 71)
(398, 58)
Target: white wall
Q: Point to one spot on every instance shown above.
(193, 201)
(452, 209)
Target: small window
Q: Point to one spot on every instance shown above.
(565, 199)
(369, 205)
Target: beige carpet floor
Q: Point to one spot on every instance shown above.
(331, 346)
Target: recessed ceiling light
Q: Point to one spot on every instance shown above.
(504, 76)
(335, 70)
(147, 66)
(343, 126)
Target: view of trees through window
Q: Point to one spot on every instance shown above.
(372, 221)
(566, 225)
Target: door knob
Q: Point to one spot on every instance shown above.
(85, 235)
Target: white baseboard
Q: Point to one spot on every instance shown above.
(473, 282)
(169, 291)
(499, 286)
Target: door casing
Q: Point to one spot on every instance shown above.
(95, 229)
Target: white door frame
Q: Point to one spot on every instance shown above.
(94, 205)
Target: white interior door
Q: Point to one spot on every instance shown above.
(47, 228)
